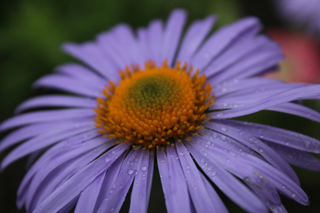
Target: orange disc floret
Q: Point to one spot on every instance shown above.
(151, 107)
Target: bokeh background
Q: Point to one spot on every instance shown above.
(31, 32)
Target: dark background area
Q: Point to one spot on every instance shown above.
(32, 31)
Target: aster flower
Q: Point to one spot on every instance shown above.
(172, 102)
(301, 12)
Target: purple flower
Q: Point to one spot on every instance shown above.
(301, 12)
(160, 106)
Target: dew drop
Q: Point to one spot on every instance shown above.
(223, 137)
(224, 129)
(181, 153)
(107, 159)
(220, 114)
(144, 168)
(162, 161)
(130, 171)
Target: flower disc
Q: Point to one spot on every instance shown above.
(155, 105)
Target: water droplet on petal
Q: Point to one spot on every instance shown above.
(220, 114)
(107, 159)
(181, 153)
(130, 171)
(224, 129)
(144, 168)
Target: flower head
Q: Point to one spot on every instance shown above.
(158, 94)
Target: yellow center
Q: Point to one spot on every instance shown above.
(152, 107)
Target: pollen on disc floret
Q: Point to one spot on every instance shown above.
(151, 107)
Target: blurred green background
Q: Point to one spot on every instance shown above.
(31, 32)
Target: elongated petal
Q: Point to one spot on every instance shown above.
(228, 184)
(81, 73)
(221, 39)
(194, 37)
(155, 41)
(50, 154)
(300, 93)
(59, 175)
(57, 101)
(92, 55)
(297, 109)
(278, 135)
(45, 116)
(172, 34)
(59, 159)
(243, 49)
(111, 176)
(68, 84)
(173, 181)
(297, 157)
(43, 141)
(115, 197)
(79, 181)
(30, 131)
(88, 197)
(141, 187)
(198, 193)
(257, 145)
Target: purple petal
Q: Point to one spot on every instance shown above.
(116, 195)
(279, 136)
(279, 180)
(53, 151)
(198, 192)
(221, 208)
(270, 155)
(230, 161)
(92, 55)
(255, 63)
(79, 181)
(142, 185)
(251, 95)
(243, 49)
(284, 97)
(143, 43)
(222, 39)
(46, 116)
(172, 34)
(59, 175)
(70, 84)
(297, 109)
(33, 157)
(128, 45)
(193, 38)
(155, 41)
(111, 176)
(227, 183)
(81, 73)
(57, 101)
(65, 155)
(45, 140)
(297, 157)
(232, 86)
(88, 197)
(26, 132)
(173, 181)
(69, 206)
